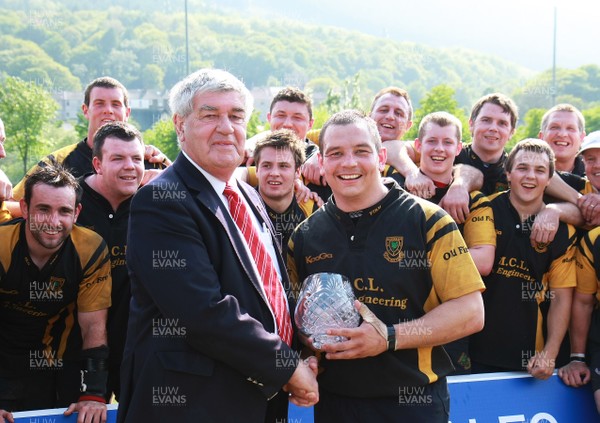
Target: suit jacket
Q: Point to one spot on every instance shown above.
(201, 344)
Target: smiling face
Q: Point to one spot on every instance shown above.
(491, 130)
(214, 133)
(276, 173)
(106, 105)
(392, 115)
(121, 168)
(438, 148)
(529, 176)
(50, 216)
(564, 136)
(290, 115)
(591, 160)
(351, 165)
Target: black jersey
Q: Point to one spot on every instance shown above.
(77, 158)
(518, 288)
(577, 182)
(494, 175)
(579, 167)
(285, 223)
(38, 307)
(404, 256)
(98, 215)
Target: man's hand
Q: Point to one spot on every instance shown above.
(545, 226)
(89, 411)
(312, 171)
(589, 205)
(541, 366)
(303, 193)
(6, 416)
(5, 187)
(150, 174)
(575, 374)
(419, 184)
(302, 386)
(456, 203)
(154, 155)
(367, 340)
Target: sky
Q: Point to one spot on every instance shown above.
(520, 31)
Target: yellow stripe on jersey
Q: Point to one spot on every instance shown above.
(453, 271)
(295, 284)
(5, 215)
(252, 178)
(425, 363)
(587, 280)
(95, 287)
(10, 236)
(479, 227)
(562, 271)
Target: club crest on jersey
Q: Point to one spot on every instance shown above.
(393, 249)
(56, 284)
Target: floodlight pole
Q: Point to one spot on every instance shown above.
(187, 45)
(554, 63)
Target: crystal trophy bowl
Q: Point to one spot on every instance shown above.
(326, 301)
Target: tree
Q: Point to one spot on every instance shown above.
(163, 135)
(25, 109)
(439, 99)
(592, 119)
(529, 129)
(255, 125)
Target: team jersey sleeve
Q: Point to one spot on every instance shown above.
(562, 273)
(96, 284)
(480, 229)
(587, 281)
(453, 271)
(5, 215)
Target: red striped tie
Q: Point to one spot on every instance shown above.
(268, 274)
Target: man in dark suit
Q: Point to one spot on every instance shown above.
(204, 338)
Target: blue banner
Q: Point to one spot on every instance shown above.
(486, 398)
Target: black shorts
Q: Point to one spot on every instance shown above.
(414, 404)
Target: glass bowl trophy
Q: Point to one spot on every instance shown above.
(326, 301)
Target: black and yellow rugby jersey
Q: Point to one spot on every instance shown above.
(98, 215)
(479, 210)
(494, 175)
(5, 215)
(404, 256)
(77, 158)
(577, 182)
(285, 223)
(588, 268)
(518, 288)
(38, 307)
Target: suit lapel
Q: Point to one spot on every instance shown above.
(203, 192)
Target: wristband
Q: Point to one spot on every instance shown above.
(578, 357)
(92, 398)
(391, 338)
(94, 374)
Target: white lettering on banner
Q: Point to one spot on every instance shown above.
(520, 418)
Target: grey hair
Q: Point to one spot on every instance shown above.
(182, 94)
